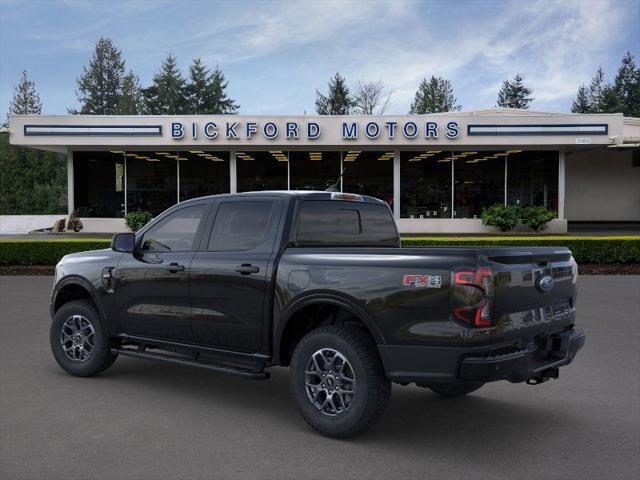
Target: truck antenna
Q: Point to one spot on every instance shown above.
(336, 186)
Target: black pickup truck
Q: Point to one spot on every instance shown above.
(316, 281)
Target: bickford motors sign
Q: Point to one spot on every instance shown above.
(295, 130)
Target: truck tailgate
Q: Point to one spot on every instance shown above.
(535, 292)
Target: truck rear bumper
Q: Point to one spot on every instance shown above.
(408, 364)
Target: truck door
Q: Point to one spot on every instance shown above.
(152, 284)
(232, 272)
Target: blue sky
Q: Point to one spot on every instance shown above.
(275, 54)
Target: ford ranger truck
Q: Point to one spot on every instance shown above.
(318, 282)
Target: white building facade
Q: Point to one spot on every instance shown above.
(437, 172)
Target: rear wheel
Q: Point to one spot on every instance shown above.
(338, 382)
(79, 341)
(455, 389)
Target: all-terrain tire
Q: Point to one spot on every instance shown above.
(372, 390)
(455, 389)
(85, 348)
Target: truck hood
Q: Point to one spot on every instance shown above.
(104, 254)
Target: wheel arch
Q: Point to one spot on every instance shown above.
(76, 288)
(294, 313)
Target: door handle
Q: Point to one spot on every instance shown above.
(175, 267)
(247, 269)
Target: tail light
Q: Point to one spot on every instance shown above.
(476, 287)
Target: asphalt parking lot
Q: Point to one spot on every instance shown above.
(150, 420)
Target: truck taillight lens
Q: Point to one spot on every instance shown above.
(479, 314)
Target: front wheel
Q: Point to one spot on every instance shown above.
(338, 382)
(79, 341)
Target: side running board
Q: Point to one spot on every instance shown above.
(242, 371)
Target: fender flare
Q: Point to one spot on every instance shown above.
(85, 284)
(315, 298)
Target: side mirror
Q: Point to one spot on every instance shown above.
(123, 242)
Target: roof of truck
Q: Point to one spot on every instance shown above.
(306, 194)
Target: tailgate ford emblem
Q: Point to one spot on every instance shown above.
(545, 283)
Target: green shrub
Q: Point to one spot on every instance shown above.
(536, 217)
(584, 249)
(45, 252)
(136, 220)
(503, 217)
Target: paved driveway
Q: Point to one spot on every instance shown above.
(149, 420)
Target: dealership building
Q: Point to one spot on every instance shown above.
(437, 172)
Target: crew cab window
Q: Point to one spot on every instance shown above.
(240, 226)
(176, 232)
(334, 222)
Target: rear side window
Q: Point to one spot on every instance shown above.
(345, 223)
(240, 226)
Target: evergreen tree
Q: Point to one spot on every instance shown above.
(338, 101)
(25, 99)
(31, 181)
(581, 104)
(627, 86)
(218, 100)
(514, 94)
(196, 89)
(433, 96)
(596, 91)
(167, 95)
(206, 91)
(99, 86)
(130, 101)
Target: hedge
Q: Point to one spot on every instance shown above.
(585, 249)
(596, 250)
(45, 252)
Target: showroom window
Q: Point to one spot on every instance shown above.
(532, 178)
(368, 173)
(151, 181)
(262, 171)
(478, 182)
(202, 173)
(99, 184)
(313, 170)
(425, 184)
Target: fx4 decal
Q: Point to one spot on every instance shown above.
(422, 281)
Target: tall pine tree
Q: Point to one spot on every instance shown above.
(514, 94)
(130, 101)
(338, 100)
(25, 99)
(206, 92)
(433, 96)
(31, 181)
(582, 103)
(100, 85)
(219, 102)
(167, 94)
(627, 86)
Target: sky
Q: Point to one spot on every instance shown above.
(275, 54)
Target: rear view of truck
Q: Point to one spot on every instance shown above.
(526, 297)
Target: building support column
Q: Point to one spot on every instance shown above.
(233, 177)
(396, 184)
(561, 182)
(70, 183)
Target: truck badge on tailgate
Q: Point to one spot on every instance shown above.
(422, 281)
